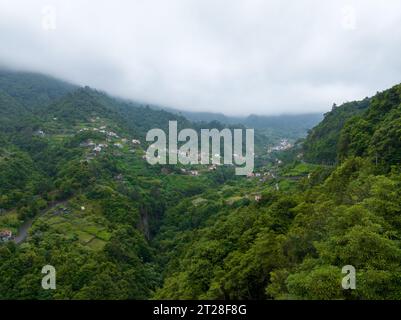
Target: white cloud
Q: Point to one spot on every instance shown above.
(230, 56)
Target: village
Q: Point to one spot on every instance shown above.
(112, 140)
(283, 145)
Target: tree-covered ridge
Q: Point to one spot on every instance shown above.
(116, 227)
(33, 90)
(321, 144)
(293, 245)
(70, 169)
(375, 134)
(271, 128)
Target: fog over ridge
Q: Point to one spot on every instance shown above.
(233, 57)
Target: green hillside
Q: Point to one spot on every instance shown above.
(92, 212)
(32, 89)
(272, 128)
(77, 194)
(322, 141)
(376, 133)
(294, 242)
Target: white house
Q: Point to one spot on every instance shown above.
(97, 149)
(112, 134)
(134, 141)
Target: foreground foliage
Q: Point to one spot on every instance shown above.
(117, 228)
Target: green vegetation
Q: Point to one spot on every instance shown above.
(292, 245)
(322, 142)
(272, 128)
(116, 227)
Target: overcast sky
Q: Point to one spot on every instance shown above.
(234, 56)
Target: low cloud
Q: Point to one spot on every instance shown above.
(231, 56)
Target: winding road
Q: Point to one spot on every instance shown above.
(23, 230)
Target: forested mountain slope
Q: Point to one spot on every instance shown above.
(273, 128)
(77, 194)
(375, 134)
(368, 128)
(33, 89)
(294, 242)
(76, 191)
(321, 143)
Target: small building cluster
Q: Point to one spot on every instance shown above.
(254, 175)
(5, 235)
(135, 141)
(97, 148)
(101, 130)
(40, 133)
(262, 176)
(283, 145)
(194, 173)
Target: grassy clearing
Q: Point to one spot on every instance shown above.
(300, 169)
(231, 200)
(96, 244)
(198, 201)
(83, 237)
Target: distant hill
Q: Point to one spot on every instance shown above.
(205, 116)
(23, 92)
(274, 127)
(33, 89)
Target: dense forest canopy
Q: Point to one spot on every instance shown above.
(77, 194)
(322, 142)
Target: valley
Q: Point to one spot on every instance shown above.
(77, 193)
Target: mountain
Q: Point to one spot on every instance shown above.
(274, 128)
(295, 239)
(32, 89)
(23, 92)
(375, 134)
(205, 116)
(77, 194)
(367, 128)
(322, 141)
